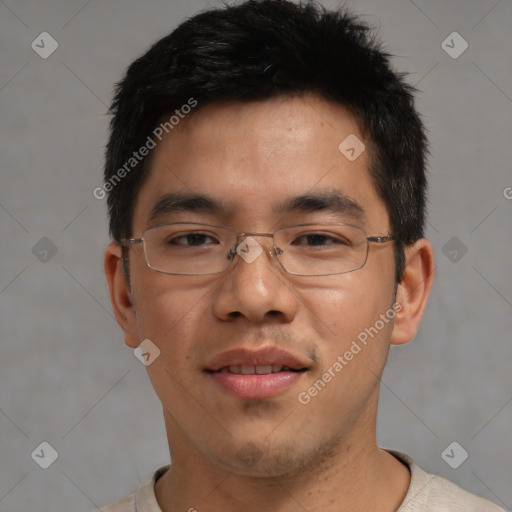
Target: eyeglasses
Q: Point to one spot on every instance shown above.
(194, 249)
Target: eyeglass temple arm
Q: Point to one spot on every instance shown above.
(131, 241)
(379, 239)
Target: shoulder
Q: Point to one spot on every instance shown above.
(432, 493)
(144, 500)
(123, 505)
(447, 496)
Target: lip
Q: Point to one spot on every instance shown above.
(262, 357)
(256, 386)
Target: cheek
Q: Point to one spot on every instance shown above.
(342, 306)
(176, 321)
(353, 324)
(353, 354)
(172, 314)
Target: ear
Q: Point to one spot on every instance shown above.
(120, 296)
(413, 291)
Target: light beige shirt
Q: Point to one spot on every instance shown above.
(427, 493)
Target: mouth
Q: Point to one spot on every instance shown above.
(256, 375)
(248, 369)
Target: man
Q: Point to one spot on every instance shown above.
(266, 180)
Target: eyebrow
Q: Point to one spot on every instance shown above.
(181, 202)
(332, 201)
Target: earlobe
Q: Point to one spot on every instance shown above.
(413, 290)
(120, 295)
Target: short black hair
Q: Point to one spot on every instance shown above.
(262, 49)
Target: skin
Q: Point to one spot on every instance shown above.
(273, 454)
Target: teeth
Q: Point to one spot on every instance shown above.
(263, 370)
(246, 369)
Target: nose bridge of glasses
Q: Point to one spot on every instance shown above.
(242, 238)
(268, 235)
(249, 248)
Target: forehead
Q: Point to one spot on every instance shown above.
(254, 156)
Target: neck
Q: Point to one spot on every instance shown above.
(354, 476)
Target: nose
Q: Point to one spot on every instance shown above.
(254, 287)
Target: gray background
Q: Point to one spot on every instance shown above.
(66, 376)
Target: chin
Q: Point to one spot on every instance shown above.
(264, 460)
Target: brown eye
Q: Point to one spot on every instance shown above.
(317, 239)
(192, 240)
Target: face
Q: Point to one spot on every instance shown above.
(262, 165)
